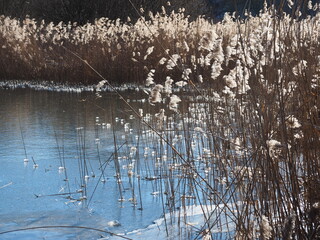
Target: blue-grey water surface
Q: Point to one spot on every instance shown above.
(62, 129)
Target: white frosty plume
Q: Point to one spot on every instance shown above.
(292, 122)
(266, 230)
(149, 80)
(155, 95)
(173, 104)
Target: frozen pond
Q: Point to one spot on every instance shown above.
(68, 138)
(78, 166)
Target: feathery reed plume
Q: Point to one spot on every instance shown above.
(265, 228)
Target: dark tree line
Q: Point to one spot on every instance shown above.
(82, 11)
(87, 10)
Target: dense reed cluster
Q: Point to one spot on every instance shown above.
(126, 52)
(243, 143)
(119, 51)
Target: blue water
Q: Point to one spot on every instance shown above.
(43, 125)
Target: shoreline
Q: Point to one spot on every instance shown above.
(63, 87)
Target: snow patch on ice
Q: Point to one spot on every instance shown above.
(184, 223)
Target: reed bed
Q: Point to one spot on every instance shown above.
(127, 52)
(246, 148)
(235, 127)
